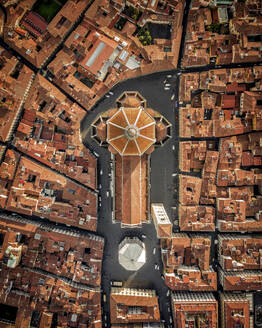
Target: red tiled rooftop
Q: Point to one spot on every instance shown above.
(34, 23)
(133, 306)
(131, 207)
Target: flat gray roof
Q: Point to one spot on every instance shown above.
(96, 53)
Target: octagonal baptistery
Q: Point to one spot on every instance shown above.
(131, 131)
(132, 254)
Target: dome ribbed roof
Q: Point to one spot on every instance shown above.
(131, 131)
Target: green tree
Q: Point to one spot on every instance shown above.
(215, 28)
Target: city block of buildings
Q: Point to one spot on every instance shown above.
(51, 275)
(32, 189)
(223, 32)
(116, 41)
(15, 81)
(187, 262)
(191, 309)
(35, 36)
(49, 131)
(130, 305)
(240, 265)
(236, 309)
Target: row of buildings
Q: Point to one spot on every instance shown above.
(51, 276)
(221, 146)
(188, 309)
(219, 173)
